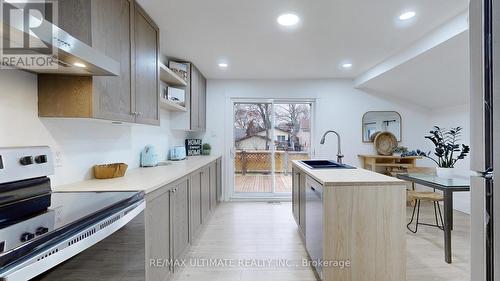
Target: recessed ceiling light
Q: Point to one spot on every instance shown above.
(288, 19)
(223, 65)
(346, 65)
(407, 15)
(79, 64)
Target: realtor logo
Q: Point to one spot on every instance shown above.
(27, 40)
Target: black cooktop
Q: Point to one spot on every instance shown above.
(67, 213)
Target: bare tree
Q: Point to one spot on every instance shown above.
(265, 114)
(253, 118)
(246, 116)
(291, 115)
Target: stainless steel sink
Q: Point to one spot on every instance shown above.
(325, 164)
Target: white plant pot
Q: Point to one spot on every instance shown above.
(446, 173)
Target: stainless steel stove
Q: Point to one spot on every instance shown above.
(40, 229)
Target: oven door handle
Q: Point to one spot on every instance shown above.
(41, 261)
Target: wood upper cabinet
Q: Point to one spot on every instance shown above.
(195, 98)
(121, 30)
(198, 99)
(112, 95)
(146, 68)
(202, 107)
(68, 11)
(196, 102)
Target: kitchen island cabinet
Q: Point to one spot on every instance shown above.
(360, 217)
(299, 199)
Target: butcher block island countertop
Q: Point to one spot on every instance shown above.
(142, 179)
(363, 218)
(348, 177)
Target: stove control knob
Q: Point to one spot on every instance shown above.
(41, 230)
(26, 160)
(40, 159)
(27, 236)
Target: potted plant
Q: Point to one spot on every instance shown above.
(400, 150)
(448, 149)
(205, 149)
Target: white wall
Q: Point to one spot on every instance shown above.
(338, 106)
(457, 116)
(81, 143)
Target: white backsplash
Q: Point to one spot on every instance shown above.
(78, 143)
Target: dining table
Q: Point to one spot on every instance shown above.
(448, 186)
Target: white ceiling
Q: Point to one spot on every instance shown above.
(436, 78)
(245, 34)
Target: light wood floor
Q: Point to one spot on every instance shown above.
(264, 231)
(425, 259)
(262, 183)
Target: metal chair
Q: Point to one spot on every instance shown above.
(418, 196)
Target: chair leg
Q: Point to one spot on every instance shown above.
(440, 216)
(435, 213)
(415, 208)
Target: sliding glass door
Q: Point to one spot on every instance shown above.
(253, 147)
(267, 136)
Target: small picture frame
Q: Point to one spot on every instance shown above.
(193, 147)
(163, 91)
(180, 69)
(176, 95)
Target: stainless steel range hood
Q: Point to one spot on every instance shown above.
(71, 56)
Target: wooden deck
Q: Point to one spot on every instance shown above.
(262, 183)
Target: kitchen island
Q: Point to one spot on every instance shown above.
(352, 222)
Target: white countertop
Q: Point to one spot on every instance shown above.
(142, 179)
(347, 177)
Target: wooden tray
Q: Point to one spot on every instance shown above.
(385, 143)
(110, 171)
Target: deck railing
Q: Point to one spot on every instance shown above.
(261, 161)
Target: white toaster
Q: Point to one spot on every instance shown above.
(177, 153)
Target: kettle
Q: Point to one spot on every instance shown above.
(149, 157)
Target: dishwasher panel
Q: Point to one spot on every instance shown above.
(314, 223)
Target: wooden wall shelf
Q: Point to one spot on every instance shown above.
(170, 78)
(171, 106)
